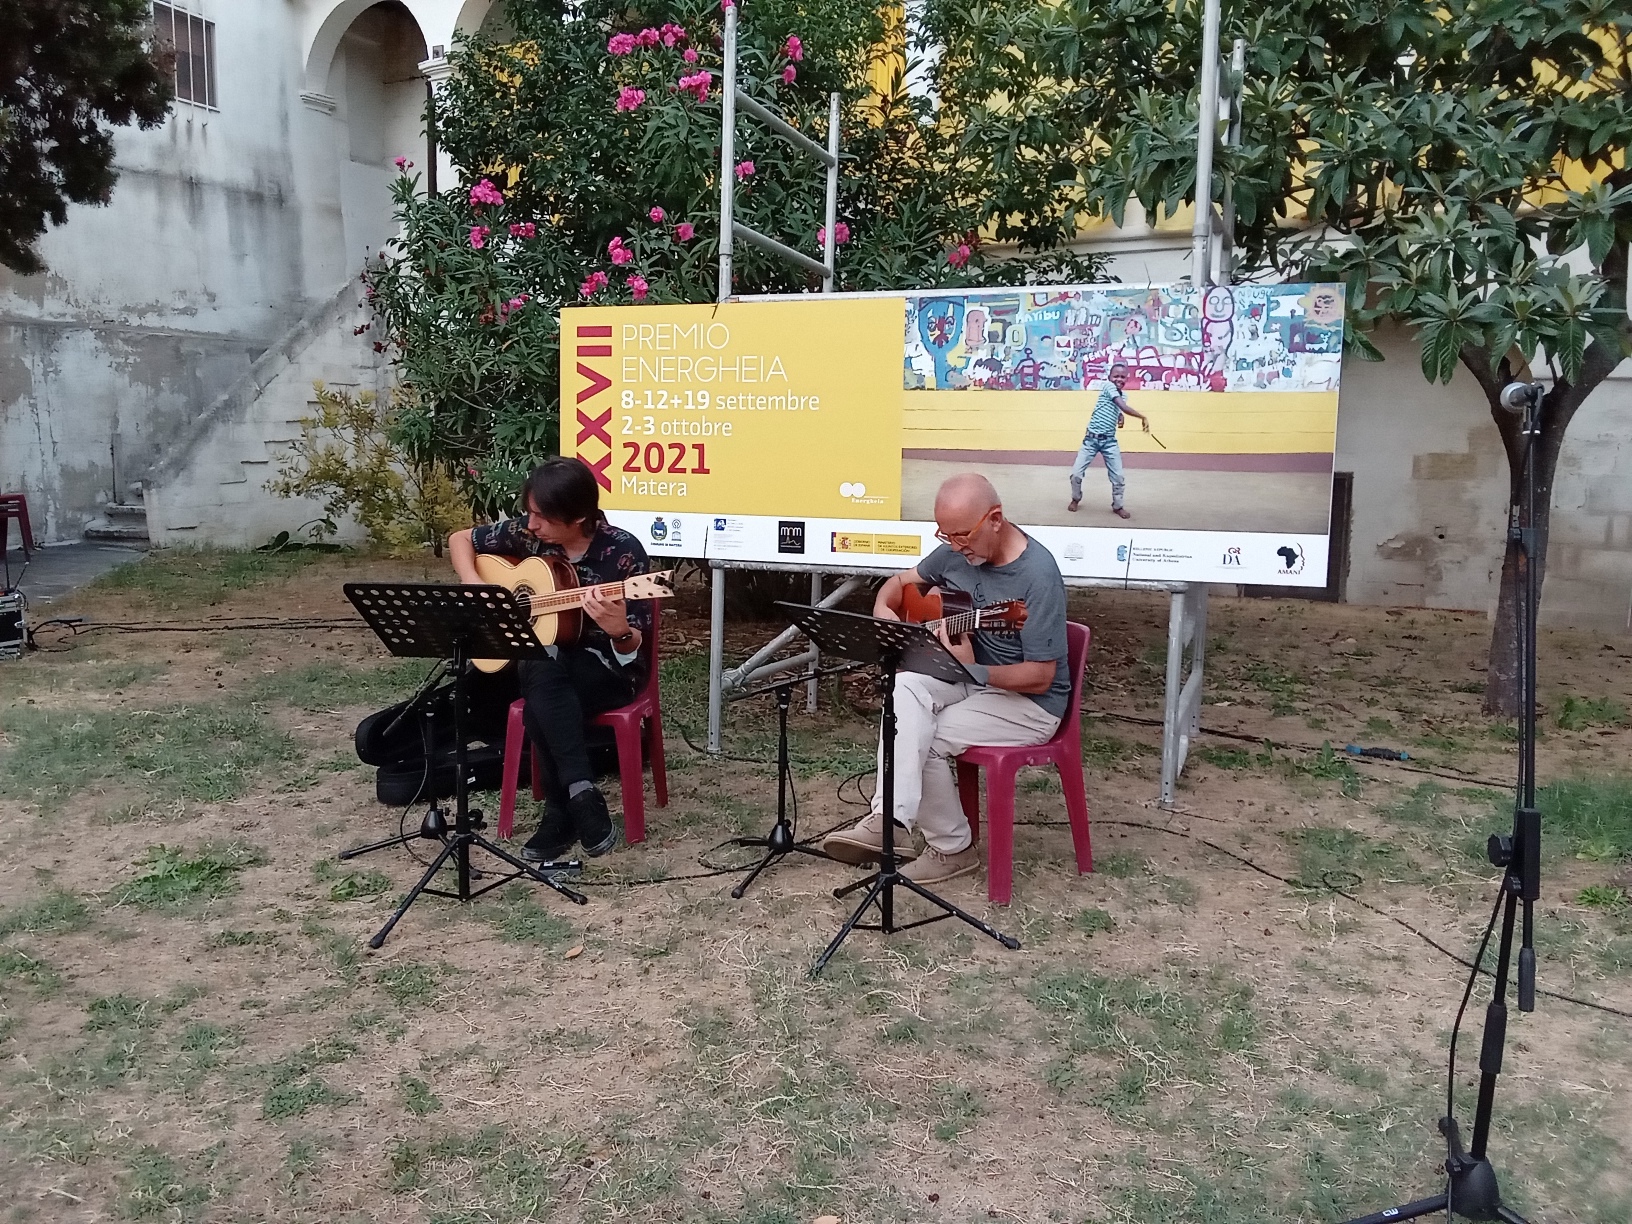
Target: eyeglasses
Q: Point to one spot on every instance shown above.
(956, 538)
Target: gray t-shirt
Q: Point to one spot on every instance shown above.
(1034, 577)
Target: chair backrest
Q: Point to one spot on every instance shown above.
(648, 690)
(1077, 638)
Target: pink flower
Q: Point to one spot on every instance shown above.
(672, 33)
(697, 83)
(657, 214)
(745, 171)
(517, 302)
(478, 236)
(402, 163)
(620, 253)
(788, 74)
(637, 286)
(485, 193)
(525, 229)
(684, 231)
(629, 98)
(960, 256)
(648, 37)
(725, 4)
(793, 48)
(620, 44)
(593, 284)
(689, 55)
(841, 234)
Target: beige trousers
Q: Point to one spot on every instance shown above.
(934, 722)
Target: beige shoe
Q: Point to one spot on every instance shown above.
(935, 867)
(865, 843)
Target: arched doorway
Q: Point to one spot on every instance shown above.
(487, 18)
(379, 99)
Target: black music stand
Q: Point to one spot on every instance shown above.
(783, 838)
(891, 646)
(428, 620)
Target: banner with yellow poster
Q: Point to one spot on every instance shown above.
(1151, 432)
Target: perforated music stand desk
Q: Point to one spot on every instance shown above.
(434, 620)
(891, 646)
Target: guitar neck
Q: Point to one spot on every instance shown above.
(962, 622)
(563, 601)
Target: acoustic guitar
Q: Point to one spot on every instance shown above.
(956, 611)
(547, 589)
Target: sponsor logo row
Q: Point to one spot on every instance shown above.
(731, 535)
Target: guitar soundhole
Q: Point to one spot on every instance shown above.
(524, 596)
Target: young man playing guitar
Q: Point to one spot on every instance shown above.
(599, 672)
(1021, 688)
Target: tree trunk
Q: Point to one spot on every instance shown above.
(1558, 408)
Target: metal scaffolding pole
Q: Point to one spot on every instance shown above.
(733, 99)
(1201, 233)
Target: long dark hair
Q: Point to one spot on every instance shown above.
(564, 491)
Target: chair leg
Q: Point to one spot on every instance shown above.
(660, 772)
(1076, 808)
(515, 738)
(538, 771)
(969, 795)
(1000, 833)
(632, 777)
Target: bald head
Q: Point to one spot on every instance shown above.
(964, 498)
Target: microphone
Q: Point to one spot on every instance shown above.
(1521, 396)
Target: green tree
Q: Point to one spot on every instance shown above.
(467, 297)
(1460, 164)
(70, 71)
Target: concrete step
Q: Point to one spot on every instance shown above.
(125, 511)
(122, 531)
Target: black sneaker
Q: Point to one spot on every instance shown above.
(554, 837)
(595, 828)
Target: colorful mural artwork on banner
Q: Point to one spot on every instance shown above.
(1222, 338)
(1155, 432)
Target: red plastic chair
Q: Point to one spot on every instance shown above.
(638, 730)
(15, 506)
(1064, 752)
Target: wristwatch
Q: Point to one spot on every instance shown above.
(627, 635)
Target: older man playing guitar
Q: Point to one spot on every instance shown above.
(1021, 681)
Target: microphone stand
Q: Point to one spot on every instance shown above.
(1471, 1188)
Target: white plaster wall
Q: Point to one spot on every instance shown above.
(1430, 485)
(226, 228)
(212, 489)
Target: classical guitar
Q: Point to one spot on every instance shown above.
(931, 606)
(548, 588)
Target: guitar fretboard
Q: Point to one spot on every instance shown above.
(963, 622)
(561, 601)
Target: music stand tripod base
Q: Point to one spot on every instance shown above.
(457, 622)
(892, 646)
(780, 841)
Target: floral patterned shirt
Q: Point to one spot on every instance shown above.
(613, 555)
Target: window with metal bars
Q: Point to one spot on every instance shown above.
(193, 41)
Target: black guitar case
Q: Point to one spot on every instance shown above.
(412, 745)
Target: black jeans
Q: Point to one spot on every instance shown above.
(562, 694)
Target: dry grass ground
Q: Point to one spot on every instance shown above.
(192, 1029)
